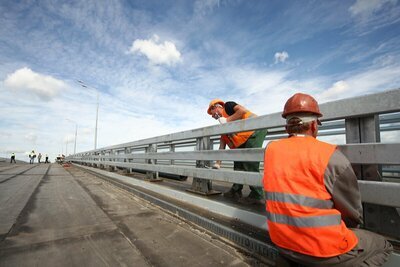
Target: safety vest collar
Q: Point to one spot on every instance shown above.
(300, 135)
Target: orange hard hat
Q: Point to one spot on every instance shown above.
(301, 103)
(213, 103)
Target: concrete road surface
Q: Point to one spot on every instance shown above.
(66, 217)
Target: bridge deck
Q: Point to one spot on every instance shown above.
(53, 217)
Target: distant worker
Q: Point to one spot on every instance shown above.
(47, 159)
(13, 158)
(39, 157)
(231, 111)
(32, 157)
(312, 197)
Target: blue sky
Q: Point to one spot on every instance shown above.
(157, 64)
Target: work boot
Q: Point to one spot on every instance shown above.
(236, 195)
(251, 201)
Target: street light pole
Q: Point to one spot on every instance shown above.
(97, 119)
(76, 133)
(81, 83)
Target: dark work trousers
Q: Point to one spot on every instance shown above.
(372, 250)
(256, 140)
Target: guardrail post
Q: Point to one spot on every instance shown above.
(127, 152)
(199, 185)
(101, 154)
(110, 167)
(172, 162)
(91, 156)
(172, 149)
(84, 158)
(152, 176)
(376, 218)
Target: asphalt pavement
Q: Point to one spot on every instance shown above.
(56, 216)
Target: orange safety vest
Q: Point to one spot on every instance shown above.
(300, 212)
(235, 140)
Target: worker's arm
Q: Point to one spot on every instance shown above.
(234, 111)
(341, 183)
(239, 111)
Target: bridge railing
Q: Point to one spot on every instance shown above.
(190, 153)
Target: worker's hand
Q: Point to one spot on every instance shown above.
(222, 120)
(216, 166)
(216, 115)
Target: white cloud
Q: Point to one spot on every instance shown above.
(368, 7)
(43, 86)
(86, 131)
(9, 151)
(281, 56)
(264, 92)
(69, 138)
(201, 7)
(373, 80)
(5, 135)
(371, 15)
(156, 52)
(31, 137)
(250, 81)
(335, 91)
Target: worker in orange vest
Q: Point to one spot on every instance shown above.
(312, 197)
(231, 111)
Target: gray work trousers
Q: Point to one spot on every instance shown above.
(372, 250)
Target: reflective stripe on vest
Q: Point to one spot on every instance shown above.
(300, 212)
(228, 141)
(299, 199)
(235, 140)
(310, 221)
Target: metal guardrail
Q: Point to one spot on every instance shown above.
(361, 119)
